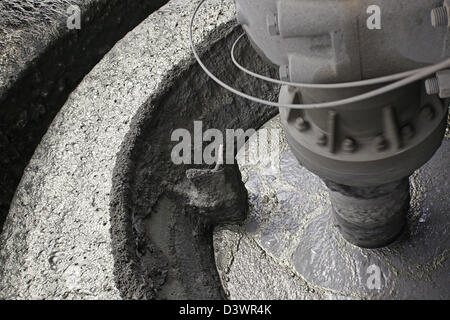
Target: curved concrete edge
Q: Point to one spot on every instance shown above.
(26, 30)
(56, 241)
(161, 233)
(42, 61)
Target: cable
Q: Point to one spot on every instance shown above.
(353, 84)
(416, 75)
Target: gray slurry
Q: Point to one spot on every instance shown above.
(289, 231)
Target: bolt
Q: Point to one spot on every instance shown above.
(322, 140)
(272, 25)
(301, 124)
(439, 17)
(407, 131)
(381, 143)
(349, 145)
(427, 112)
(432, 86)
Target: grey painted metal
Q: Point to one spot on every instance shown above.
(369, 144)
(440, 84)
(370, 216)
(322, 41)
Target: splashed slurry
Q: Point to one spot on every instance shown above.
(145, 176)
(290, 222)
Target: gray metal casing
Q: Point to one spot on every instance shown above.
(372, 142)
(329, 40)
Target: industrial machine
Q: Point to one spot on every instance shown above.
(363, 96)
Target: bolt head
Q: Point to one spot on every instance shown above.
(381, 143)
(301, 124)
(349, 145)
(432, 86)
(439, 17)
(322, 140)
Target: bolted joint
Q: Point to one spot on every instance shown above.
(349, 145)
(432, 86)
(440, 84)
(440, 16)
(322, 140)
(381, 143)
